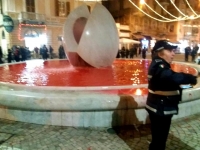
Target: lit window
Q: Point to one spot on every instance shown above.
(62, 8)
(30, 5)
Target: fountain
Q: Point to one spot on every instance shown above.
(85, 91)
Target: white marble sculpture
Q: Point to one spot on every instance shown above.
(90, 39)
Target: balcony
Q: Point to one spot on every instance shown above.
(35, 18)
(31, 18)
(55, 21)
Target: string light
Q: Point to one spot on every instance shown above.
(29, 25)
(178, 9)
(165, 10)
(185, 17)
(156, 12)
(191, 8)
(142, 2)
(186, 25)
(172, 20)
(146, 13)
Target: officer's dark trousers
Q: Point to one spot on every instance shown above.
(160, 126)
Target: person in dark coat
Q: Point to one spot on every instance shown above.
(61, 52)
(17, 54)
(144, 51)
(1, 55)
(164, 92)
(187, 53)
(23, 53)
(118, 54)
(9, 58)
(127, 53)
(132, 51)
(44, 52)
(51, 51)
(123, 52)
(194, 52)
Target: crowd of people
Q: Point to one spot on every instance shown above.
(193, 52)
(134, 51)
(141, 51)
(22, 53)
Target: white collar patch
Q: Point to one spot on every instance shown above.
(158, 60)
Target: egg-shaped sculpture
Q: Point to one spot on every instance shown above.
(90, 39)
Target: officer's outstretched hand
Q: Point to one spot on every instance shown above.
(193, 80)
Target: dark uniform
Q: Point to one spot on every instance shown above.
(163, 98)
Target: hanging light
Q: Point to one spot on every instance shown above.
(156, 12)
(191, 8)
(180, 18)
(142, 2)
(165, 10)
(178, 9)
(146, 13)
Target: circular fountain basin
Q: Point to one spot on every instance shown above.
(55, 93)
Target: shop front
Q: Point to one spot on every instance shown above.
(32, 35)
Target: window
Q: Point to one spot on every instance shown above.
(62, 8)
(30, 5)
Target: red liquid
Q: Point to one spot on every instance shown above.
(61, 73)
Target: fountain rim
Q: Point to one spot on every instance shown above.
(41, 98)
(72, 88)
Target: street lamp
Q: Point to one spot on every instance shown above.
(142, 2)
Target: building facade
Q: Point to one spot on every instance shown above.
(140, 24)
(35, 22)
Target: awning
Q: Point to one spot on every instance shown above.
(138, 36)
(148, 37)
(128, 41)
(175, 42)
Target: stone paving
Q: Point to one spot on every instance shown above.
(184, 135)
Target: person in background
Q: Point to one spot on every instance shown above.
(194, 52)
(127, 53)
(1, 55)
(17, 54)
(144, 51)
(139, 49)
(123, 52)
(132, 51)
(9, 58)
(164, 92)
(61, 52)
(36, 51)
(44, 52)
(50, 52)
(23, 53)
(118, 54)
(187, 53)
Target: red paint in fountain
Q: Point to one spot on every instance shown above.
(61, 73)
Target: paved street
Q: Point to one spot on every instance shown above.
(184, 135)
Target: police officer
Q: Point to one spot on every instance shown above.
(164, 92)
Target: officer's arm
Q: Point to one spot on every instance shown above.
(178, 78)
